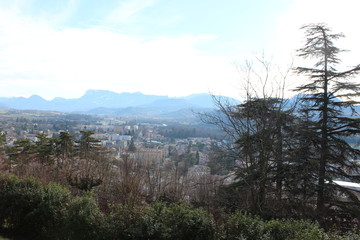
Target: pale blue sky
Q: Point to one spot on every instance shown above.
(166, 47)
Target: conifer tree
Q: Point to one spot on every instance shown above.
(90, 164)
(330, 98)
(65, 146)
(262, 150)
(132, 147)
(260, 129)
(44, 147)
(2, 141)
(2, 148)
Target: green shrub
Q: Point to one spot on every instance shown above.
(84, 220)
(293, 230)
(32, 210)
(29, 208)
(127, 223)
(162, 222)
(240, 225)
(246, 226)
(184, 222)
(344, 236)
(154, 221)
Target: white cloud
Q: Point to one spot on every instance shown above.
(38, 59)
(340, 16)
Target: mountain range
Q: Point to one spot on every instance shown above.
(111, 103)
(104, 102)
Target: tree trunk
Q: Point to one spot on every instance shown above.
(324, 134)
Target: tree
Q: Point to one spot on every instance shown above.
(2, 147)
(132, 147)
(300, 183)
(261, 150)
(330, 98)
(2, 139)
(20, 154)
(129, 186)
(44, 149)
(259, 129)
(87, 145)
(90, 165)
(65, 146)
(63, 155)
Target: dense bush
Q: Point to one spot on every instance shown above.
(245, 226)
(127, 223)
(32, 210)
(29, 208)
(179, 221)
(84, 220)
(241, 225)
(294, 230)
(161, 221)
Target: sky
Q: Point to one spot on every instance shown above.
(62, 48)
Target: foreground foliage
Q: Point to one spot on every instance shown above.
(28, 208)
(245, 226)
(32, 210)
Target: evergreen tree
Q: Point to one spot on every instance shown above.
(21, 152)
(90, 164)
(261, 146)
(2, 138)
(300, 183)
(44, 148)
(132, 147)
(2, 143)
(64, 153)
(330, 99)
(65, 146)
(88, 145)
(2, 148)
(260, 128)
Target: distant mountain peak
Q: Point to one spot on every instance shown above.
(92, 92)
(35, 96)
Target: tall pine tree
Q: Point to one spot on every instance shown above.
(330, 98)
